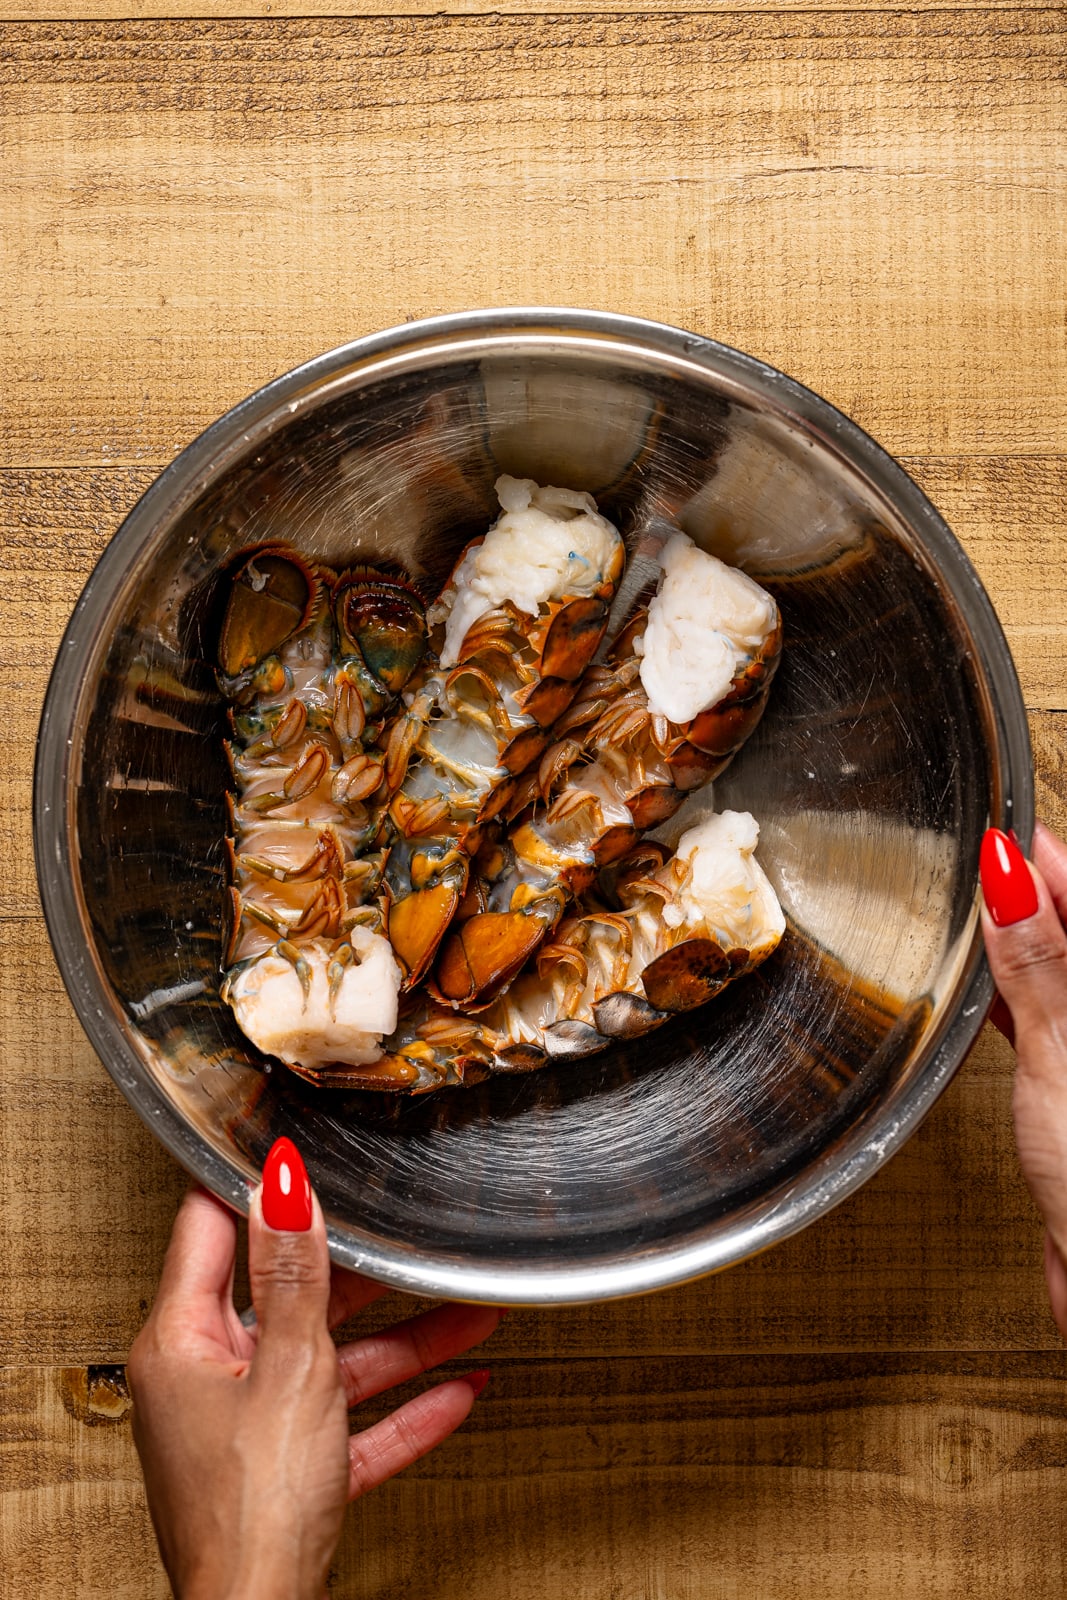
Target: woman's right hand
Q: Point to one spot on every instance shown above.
(1025, 925)
(243, 1431)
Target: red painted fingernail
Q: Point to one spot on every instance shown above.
(477, 1380)
(286, 1190)
(1010, 891)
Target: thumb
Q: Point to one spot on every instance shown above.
(288, 1259)
(1027, 946)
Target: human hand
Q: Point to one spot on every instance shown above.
(243, 1432)
(1024, 921)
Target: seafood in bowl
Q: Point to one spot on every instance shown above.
(895, 733)
(422, 797)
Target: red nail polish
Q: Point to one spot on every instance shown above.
(286, 1190)
(477, 1380)
(1010, 891)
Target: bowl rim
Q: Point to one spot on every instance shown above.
(785, 1210)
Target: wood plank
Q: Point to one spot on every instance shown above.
(742, 1478)
(893, 1477)
(1049, 736)
(54, 524)
(273, 10)
(1007, 512)
(868, 200)
(53, 528)
(89, 1194)
(72, 1514)
(940, 1251)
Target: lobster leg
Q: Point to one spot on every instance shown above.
(482, 955)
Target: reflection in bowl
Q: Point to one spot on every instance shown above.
(894, 734)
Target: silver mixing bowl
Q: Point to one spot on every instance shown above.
(895, 734)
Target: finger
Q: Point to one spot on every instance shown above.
(200, 1258)
(412, 1431)
(1029, 965)
(1050, 858)
(1025, 939)
(288, 1259)
(351, 1293)
(379, 1362)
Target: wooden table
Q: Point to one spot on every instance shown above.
(872, 200)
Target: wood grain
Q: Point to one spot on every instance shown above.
(1007, 513)
(870, 201)
(866, 1476)
(877, 1475)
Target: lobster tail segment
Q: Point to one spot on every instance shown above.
(514, 629)
(312, 664)
(685, 684)
(674, 932)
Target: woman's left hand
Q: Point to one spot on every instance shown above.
(243, 1432)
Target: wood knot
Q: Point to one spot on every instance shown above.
(95, 1395)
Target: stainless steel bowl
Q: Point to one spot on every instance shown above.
(895, 734)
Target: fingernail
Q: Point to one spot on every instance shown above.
(286, 1190)
(1010, 891)
(477, 1380)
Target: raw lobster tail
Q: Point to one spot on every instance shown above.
(465, 786)
(312, 664)
(665, 936)
(513, 637)
(618, 766)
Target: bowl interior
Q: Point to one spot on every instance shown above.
(890, 740)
